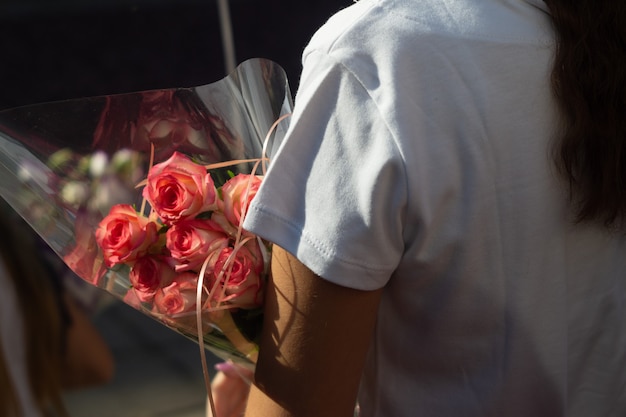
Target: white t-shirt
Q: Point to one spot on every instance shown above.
(418, 159)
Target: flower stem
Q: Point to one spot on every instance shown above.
(224, 321)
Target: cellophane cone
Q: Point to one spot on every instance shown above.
(64, 165)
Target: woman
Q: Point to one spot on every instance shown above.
(448, 213)
(47, 343)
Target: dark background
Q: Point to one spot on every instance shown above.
(61, 49)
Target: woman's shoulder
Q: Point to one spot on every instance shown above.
(371, 27)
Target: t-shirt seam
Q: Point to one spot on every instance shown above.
(339, 62)
(390, 131)
(318, 246)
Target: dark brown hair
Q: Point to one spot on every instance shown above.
(40, 316)
(589, 82)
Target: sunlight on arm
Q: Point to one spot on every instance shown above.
(315, 339)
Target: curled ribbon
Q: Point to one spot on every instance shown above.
(228, 327)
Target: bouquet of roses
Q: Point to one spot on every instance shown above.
(188, 252)
(143, 195)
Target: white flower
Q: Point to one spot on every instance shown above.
(98, 164)
(109, 192)
(75, 193)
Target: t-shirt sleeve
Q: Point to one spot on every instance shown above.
(335, 193)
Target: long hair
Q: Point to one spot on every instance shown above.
(589, 82)
(41, 318)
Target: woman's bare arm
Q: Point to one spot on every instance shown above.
(315, 338)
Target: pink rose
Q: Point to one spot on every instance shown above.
(132, 300)
(228, 228)
(237, 193)
(179, 189)
(165, 121)
(190, 243)
(179, 296)
(254, 253)
(148, 274)
(123, 235)
(173, 131)
(241, 283)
